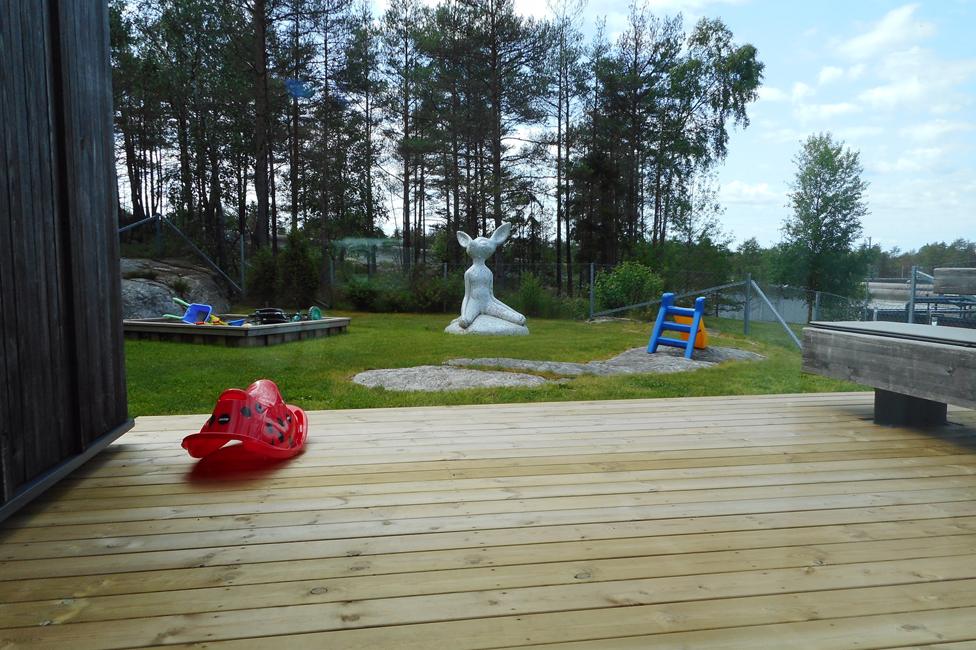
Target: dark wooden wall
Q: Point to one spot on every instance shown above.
(62, 376)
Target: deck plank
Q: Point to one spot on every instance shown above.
(725, 522)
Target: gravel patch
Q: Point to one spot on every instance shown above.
(435, 378)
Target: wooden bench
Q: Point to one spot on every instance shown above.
(916, 370)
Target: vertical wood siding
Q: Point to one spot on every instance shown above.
(62, 371)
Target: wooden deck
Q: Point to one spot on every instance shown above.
(746, 522)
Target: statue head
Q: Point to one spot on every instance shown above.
(481, 248)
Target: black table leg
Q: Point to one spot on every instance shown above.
(895, 408)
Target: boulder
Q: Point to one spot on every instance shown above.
(142, 298)
(488, 326)
(148, 287)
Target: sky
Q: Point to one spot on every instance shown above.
(894, 81)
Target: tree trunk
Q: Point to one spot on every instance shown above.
(261, 108)
(293, 166)
(559, 173)
(405, 153)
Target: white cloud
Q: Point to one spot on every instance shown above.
(895, 94)
(533, 8)
(914, 160)
(801, 91)
(858, 132)
(782, 135)
(772, 94)
(675, 6)
(935, 129)
(812, 112)
(737, 191)
(829, 73)
(898, 28)
(917, 77)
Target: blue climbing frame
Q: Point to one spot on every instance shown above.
(662, 324)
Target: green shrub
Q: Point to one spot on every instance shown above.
(532, 298)
(361, 294)
(417, 294)
(297, 276)
(628, 284)
(290, 281)
(181, 286)
(262, 278)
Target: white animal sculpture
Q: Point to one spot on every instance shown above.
(479, 296)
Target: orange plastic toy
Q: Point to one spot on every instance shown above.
(701, 340)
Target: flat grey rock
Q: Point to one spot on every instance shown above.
(630, 362)
(435, 378)
(488, 326)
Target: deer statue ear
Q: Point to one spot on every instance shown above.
(501, 234)
(463, 238)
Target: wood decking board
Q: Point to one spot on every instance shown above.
(726, 522)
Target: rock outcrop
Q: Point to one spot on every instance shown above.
(148, 287)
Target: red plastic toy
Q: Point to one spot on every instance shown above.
(258, 417)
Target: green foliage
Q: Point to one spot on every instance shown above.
(290, 280)
(627, 284)
(181, 287)
(828, 203)
(297, 276)
(262, 277)
(532, 297)
(752, 258)
(535, 300)
(418, 294)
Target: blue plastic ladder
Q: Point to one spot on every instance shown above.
(661, 324)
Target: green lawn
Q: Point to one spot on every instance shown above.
(167, 378)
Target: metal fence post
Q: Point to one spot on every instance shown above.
(759, 292)
(746, 308)
(911, 296)
(816, 305)
(592, 289)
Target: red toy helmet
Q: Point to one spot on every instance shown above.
(258, 417)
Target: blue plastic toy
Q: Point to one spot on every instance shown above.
(195, 313)
(662, 324)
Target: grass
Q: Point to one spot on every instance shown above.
(169, 378)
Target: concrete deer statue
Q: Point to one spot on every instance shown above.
(479, 296)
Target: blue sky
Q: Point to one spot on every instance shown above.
(895, 81)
